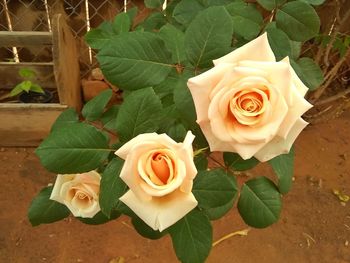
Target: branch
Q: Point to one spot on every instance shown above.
(333, 98)
(329, 77)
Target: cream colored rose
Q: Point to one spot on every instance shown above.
(79, 192)
(159, 173)
(249, 103)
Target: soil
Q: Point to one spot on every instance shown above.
(314, 225)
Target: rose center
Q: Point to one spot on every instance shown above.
(80, 196)
(251, 102)
(247, 106)
(160, 166)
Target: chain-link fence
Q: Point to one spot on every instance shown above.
(35, 15)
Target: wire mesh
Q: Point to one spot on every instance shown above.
(35, 15)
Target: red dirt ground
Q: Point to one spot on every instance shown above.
(314, 226)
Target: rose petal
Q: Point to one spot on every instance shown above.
(163, 168)
(299, 107)
(159, 139)
(217, 114)
(157, 172)
(214, 143)
(185, 153)
(236, 74)
(271, 127)
(151, 189)
(279, 145)
(229, 131)
(257, 50)
(247, 151)
(92, 177)
(160, 213)
(186, 186)
(201, 86)
(299, 85)
(57, 188)
(89, 212)
(129, 171)
(279, 75)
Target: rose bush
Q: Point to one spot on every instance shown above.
(79, 192)
(249, 103)
(159, 173)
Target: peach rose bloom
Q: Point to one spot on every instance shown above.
(79, 192)
(249, 103)
(159, 173)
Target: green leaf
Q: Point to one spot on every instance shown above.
(236, 162)
(192, 237)
(201, 162)
(112, 186)
(107, 27)
(185, 11)
(213, 188)
(259, 203)
(208, 36)
(314, 2)
(310, 73)
(97, 38)
(138, 114)
(246, 19)
(99, 218)
(248, 11)
(298, 20)
(132, 12)
(95, 107)
(279, 42)
(124, 209)
(16, 90)
(109, 118)
(271, 25)
(153, 3)
(121, 23)
(166, 88)
(153, 22)
(27, 73)
(36, 88)
(66, 118)
(144, 230)
(174, 41)
(177, 132)
(295, 49)
(76, 148)
(184, 102)
(216, 2)
(283, 165)
(25, 85)
(135, 60)
(270, 4)
(245, 28)
(42, 210)
(340, 45)
(218, 212)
